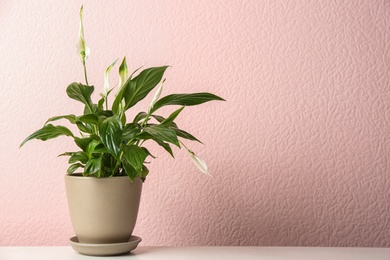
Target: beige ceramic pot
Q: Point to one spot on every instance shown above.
(103, 210)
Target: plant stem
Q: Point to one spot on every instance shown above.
(184, 145)
(85, 72)
(146, 119)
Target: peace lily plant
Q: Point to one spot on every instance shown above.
(110, 144)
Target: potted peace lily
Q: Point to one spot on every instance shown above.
(105, 176)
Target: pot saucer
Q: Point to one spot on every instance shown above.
(105, 249)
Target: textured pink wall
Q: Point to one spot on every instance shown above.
(299, 152)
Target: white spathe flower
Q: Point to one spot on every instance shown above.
(199, 162)
(106, 78)
(156, 97)
(123, 74)
(82, 49)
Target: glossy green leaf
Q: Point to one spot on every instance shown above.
(138, 88)
(130, 130)
(88, 119)
(139, 117)
(110, 130)
(66, 154)
(101, 102)
(117, 107)
(92, 167)
(172, 125)
(129, 170)
(81, 157)
(82, 93)
(135, 155)
(147, 151)
(160, 119)
(48, 132)
(166, 146)
(185, 99)
(84, 127)
(104, 114)
(184, 134)
(144, 173)
(142, 115)
(100, 149)
(123, 118)
(70, 118)
(168, 122)
(84, 142)
(162, 133)
(91, 147)
(108, 165)
(73, 167)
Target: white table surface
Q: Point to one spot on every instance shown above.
(204, 253)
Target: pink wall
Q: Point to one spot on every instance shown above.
(299, 152)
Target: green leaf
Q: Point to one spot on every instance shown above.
(70, 118)
(48, 132)
(91, 147)
(103, 99)
(166, 146)
(160, 119)
(123, 118)
(130, 130)
(117, 104)
(105, 113)
(184, 134)
(108, 165)
(92, 167)
(168, 122)
(145, 172)
(163, 133)
(83, 128)
(73, 167)
(66, 154)
(83, 94)
(84, 142)
(139, 117)
(185, 100)
(101, 102)
(111, 134)
(78, 157)
(88, 119)
(138, 88)
(130, 171)
(147, 151)
(135, 155)
(101, 149)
